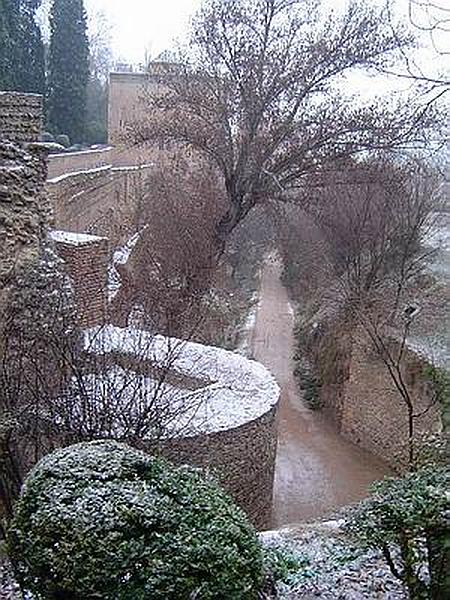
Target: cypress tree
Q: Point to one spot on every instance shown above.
(9, 20)
(68, 69)
(21, 47)
(31, 69)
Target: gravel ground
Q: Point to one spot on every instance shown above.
(332, 567)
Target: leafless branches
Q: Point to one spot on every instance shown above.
(59, 385)
(256, 96)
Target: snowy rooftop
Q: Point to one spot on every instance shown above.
(235, 391)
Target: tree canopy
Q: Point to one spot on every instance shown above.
(68, 68)
(22, 65)
(260, 93)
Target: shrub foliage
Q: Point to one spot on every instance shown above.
(101, 520)
(408, 520)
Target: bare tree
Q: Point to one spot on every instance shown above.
(256, 96)
(60, 385)
(430, 21)
(367, 238)
(171, 275)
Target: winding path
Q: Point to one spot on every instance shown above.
(317, 470)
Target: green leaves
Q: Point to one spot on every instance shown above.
(402, 519)
(101, 520)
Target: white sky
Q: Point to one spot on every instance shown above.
(140, 26)
(143, 28)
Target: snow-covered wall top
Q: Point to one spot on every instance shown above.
(73, 238)
(234, 390)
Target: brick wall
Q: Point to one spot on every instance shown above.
(86, 259)
(20, 116)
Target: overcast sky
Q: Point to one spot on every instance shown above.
(147, 27)
(140, 26)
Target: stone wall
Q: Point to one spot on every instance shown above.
(24, 210)
(86, 259)
(101, 201)
(126, 94)
(20, 117)
(358, 391)
(71, 162)
(373, 414)
(242, 459)
(231, 428)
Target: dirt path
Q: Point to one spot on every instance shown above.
(317, 470)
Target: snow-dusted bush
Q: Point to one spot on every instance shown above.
(408, 520)
(102, 520)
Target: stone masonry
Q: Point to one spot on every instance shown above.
(242, 459)
(24, 210)
(20, 117)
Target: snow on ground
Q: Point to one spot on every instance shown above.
(331, 566)
(235, 391)
(244, 346)
(133, 167)
(120, 257)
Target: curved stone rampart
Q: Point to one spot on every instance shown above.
(230, 430)
(241, 458)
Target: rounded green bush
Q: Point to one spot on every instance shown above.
(63, 139)
(105, 521)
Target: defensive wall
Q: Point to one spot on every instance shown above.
(230, 430)
(24, 210)
(358, 391)
(101, 201)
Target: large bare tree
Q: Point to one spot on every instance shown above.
(258, 93)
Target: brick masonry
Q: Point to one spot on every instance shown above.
(86, 261)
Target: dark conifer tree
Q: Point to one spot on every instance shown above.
(7, 75)
(68, 69)
(31, 72)
(21, 47)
